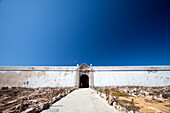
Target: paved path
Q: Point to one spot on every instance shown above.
(81, 101)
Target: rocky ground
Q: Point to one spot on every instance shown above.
(146, 99)
(34, 100)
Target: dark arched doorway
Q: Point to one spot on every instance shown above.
(84, 81)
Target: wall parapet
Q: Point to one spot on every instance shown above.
(131, 68)
(95, 68)
(38, 68)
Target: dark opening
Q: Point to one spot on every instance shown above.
(84, 81)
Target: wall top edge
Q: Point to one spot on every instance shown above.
(137, 68)
(37, 68)
(73, 68)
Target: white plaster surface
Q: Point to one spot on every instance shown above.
(2, 72)
(131, 78)
(35, 79)
(65, 76)
(53, 79)
(131, 68)
(37, 68)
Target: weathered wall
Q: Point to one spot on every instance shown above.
(131, 78)
(55, 76)
(29, 77)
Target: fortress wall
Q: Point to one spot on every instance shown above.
(132, 76)
(37, 77)
(55, 76)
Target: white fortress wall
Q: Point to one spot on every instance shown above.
(68, 76)
(21, 76)
(131, 76)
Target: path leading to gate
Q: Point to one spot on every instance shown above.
(81, 101)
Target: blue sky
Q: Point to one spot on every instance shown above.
(98, 32)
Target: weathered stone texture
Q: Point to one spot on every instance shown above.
(36, 79)
(54, 76)
(131, 78)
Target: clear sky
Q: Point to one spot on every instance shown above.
(98, 32)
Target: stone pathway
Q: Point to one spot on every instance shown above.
(81, 101)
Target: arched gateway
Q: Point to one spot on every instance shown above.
(84, 76)
(84, 81)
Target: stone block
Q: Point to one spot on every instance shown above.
(30, 110)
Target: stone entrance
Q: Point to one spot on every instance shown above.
(84, 76)
(84, 81)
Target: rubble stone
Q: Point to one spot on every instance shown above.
(30, 110)
(33, 98)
